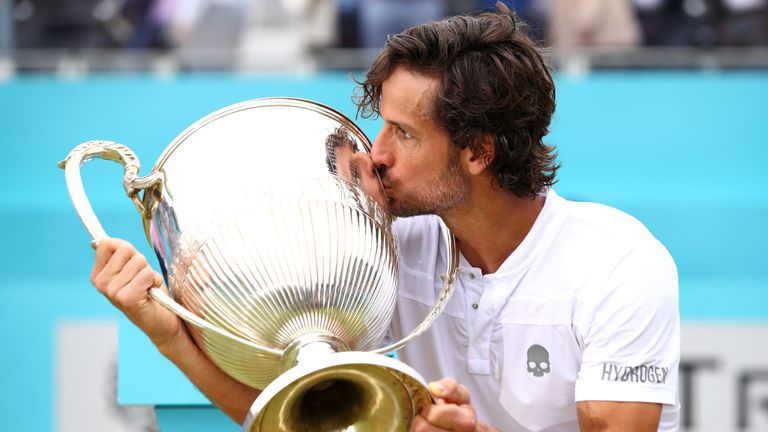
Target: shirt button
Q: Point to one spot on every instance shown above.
(474, 306)
(471, 275)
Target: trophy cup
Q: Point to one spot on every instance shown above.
(280, 260)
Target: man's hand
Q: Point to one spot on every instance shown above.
(452, 410)
(123, 275)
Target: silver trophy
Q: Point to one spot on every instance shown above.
(279, 254)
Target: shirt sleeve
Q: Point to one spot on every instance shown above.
(632, 342)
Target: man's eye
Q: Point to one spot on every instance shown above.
(403, 134)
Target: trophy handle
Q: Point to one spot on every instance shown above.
(132, 183)
(166, 301)
(452, 252)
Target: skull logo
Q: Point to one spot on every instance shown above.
(538, 360)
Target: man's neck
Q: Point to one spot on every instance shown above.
(490, 227)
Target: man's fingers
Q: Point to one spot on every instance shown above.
(111, 255)
(420, 424)
(451, 417)
(126, 274)
(104, 252)
(118, 260)
(452, 409)
(135, 294)
(450, 391)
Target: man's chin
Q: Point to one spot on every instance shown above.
(404, 212)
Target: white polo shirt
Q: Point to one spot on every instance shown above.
(586, 308)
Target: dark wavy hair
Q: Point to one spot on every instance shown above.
(493, 80)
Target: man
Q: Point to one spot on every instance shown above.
(565, 314)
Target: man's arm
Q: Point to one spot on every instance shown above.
(229, 395)
(603, 416)
(123, 275)
(631, 345)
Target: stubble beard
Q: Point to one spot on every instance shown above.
(445, 192)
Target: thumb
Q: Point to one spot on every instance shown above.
(157, 282)
(450, 391)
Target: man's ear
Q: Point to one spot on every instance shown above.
(482, 156)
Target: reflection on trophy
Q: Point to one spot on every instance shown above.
(281, 258)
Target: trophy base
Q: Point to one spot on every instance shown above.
(339, 392)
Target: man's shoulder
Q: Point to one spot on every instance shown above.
(606, 223)
(609, 249)
(596, 238)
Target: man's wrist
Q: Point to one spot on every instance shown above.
(178, 347)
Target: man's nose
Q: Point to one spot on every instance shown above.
(381, 152)
(362, 164)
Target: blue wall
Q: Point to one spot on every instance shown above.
(684, 152)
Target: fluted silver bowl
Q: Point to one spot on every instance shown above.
(261, 234)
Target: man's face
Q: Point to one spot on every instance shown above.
(343, 159)
(419, 167)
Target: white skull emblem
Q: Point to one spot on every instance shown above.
(538, 360)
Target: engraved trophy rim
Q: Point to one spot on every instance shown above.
(265, 102)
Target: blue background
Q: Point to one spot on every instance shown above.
(684, 152)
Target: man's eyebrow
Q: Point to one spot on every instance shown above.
(401, 125)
